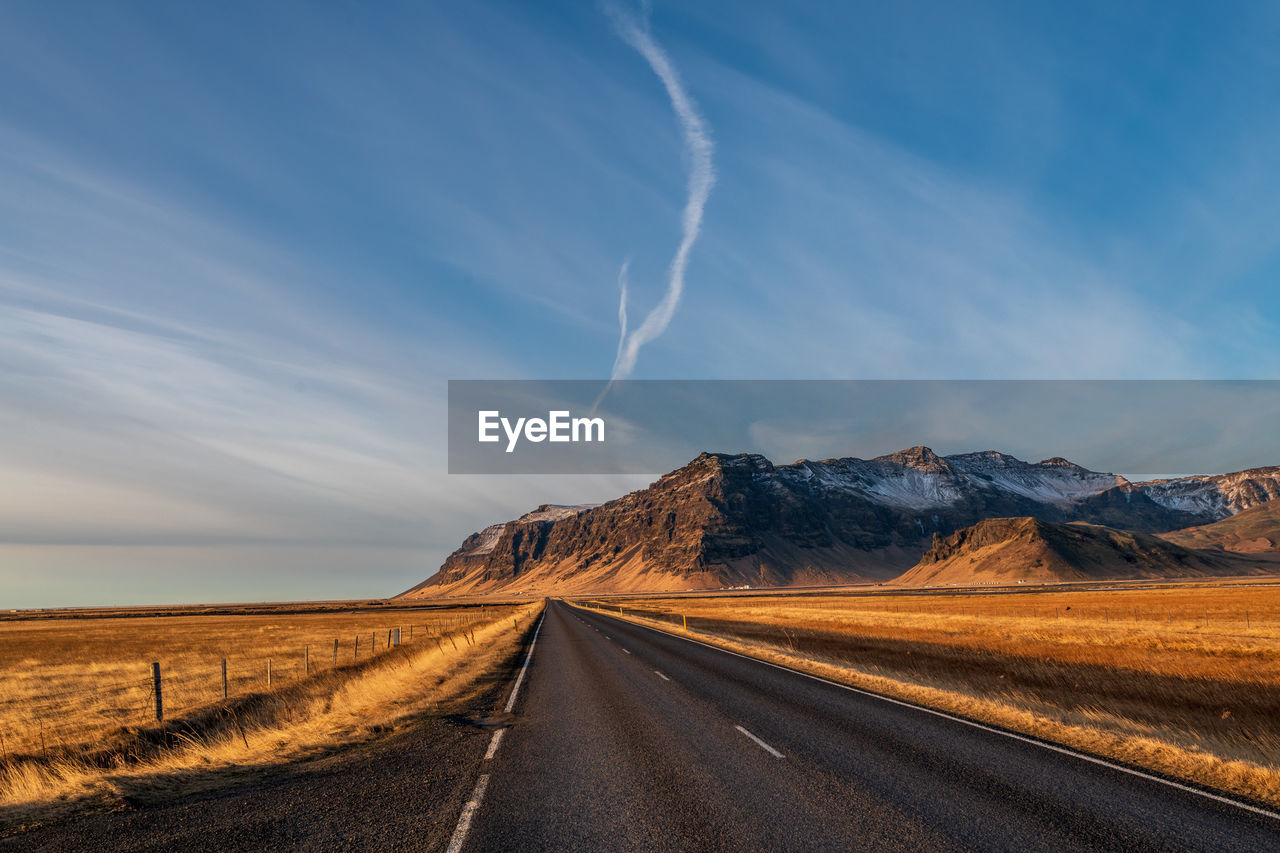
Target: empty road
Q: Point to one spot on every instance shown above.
(626, 738)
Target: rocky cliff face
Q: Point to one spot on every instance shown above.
(728, 519)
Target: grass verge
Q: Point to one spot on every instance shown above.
(231, 741)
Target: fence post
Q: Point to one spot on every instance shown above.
(411, 633)
(396, 635)
(224, 678)
(357, 648)
(686, 621)
(335, 651)
(388, 638)
(306, 659)
(155, 684)
(268, 673)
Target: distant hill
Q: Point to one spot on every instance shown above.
(738, 519)
(1255, 531)
(1013, 550)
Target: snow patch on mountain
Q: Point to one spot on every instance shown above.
(487, 539)
(1054, 481)
(1217, 496)
(918, 479)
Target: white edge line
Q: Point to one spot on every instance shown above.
(493, 744)
(468, 811)
(1101, 762)
(477, 796)
(760, 743)
(660, 675)
(625, 652)
(515, 691)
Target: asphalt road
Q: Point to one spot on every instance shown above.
(626, 738)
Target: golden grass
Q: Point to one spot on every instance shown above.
(69, 682)
(299, 718)
(1137, 675)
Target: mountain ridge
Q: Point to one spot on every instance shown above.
(1254, 531)
(729, 519)
(1021, 550)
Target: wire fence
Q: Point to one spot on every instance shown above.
(64, 708)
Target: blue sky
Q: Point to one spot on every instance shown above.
(243, 246)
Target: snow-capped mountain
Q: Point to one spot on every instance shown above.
(920, 479)
(725, 519)
(1218, 496)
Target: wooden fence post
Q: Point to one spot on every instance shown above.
(335, 651)
(396, 635)
(306, 659)
(357, 648)
(155, 684)
(224, 679)
(268, 673)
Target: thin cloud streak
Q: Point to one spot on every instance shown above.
(699, 150)
(622, 308)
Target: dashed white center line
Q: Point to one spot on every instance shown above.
(468, 811)
(760, 743)
(660, 675)
(493, 744)
(625, 652)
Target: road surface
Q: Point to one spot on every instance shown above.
(626, 738)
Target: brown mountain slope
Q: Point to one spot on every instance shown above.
(721, 520)
(1014, 550)
(738, 519)
(1254, 531)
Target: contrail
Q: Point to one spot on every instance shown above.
(622, 308)
(701, 178)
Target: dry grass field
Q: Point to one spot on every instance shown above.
(77, 711)
(1184, 680)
